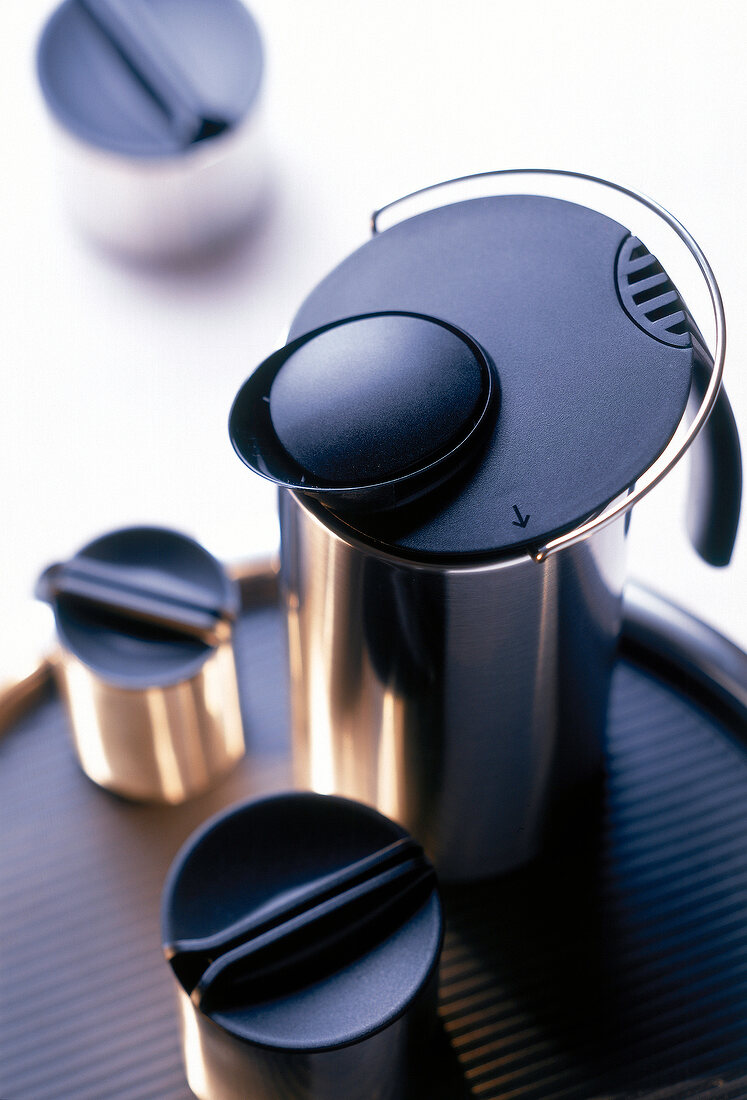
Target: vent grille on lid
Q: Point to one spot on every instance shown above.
(649, 296)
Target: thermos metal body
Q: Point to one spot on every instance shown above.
(467, 702)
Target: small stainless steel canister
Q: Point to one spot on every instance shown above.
(304, 933)
(146, 665)
(156, 107)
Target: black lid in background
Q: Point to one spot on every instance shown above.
(302, 921)
(114, 600)
(150, 77)
(591, 390)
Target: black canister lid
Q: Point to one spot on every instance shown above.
(150, 77)
(586, 332)
(302, 921)
(141, 607)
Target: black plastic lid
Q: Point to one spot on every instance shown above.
(302, 921)
(150, 77)
(368, 412)
(141, 607)
(591, 389)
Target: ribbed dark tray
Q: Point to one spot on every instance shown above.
(617, 966)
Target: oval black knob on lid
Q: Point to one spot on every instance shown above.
(148, 90)
(369, 411)
(304, 931)
(144, 616)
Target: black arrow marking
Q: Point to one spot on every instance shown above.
(523, 520)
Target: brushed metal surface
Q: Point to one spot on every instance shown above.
(382, 1067)
(162, 744)
(468, 703)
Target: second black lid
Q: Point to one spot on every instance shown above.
(149, 77)
(302, 921)
(141, 607)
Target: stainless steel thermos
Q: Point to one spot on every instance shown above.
(465, 411)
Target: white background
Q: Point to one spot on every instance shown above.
(117, 380)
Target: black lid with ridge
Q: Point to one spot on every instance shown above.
(302, 922)
(150, 78)
(141, 607)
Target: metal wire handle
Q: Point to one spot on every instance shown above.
(671, 455)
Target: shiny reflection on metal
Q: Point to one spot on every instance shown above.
(257, 579)
(162, 744)
(469, 702)
(169, 207)
(386, 1065)
(677, 448)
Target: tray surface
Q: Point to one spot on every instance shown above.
(615, 966)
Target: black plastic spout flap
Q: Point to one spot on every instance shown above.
(372, 411)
